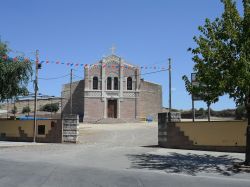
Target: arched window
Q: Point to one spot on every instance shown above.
(116, 83)
(109, 83)
(95, 83)
(129, 83)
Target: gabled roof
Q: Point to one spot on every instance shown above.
(113, 58)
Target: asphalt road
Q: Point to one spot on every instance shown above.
(116, 155)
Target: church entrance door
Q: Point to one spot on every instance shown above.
(112, 108)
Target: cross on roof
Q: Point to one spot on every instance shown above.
(113, 48)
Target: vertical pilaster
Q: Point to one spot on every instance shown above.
(105, 108)
(103, 72)
(137, 94)
(86, 77)
(118, 108)
(121, 78)
(112, 83)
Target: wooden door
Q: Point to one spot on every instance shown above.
(112, 108)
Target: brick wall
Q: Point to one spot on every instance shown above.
(127, 109)
(77, 98)
(150, 101)
(94, 109)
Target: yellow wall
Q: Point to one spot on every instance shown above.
(10, 127)
(215, 133)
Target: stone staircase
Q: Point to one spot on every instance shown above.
(176, 138)
(110, 121)
(115, 120)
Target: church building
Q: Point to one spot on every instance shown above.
(112, 89)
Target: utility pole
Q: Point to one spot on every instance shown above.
(35, 101)
(7, 108)
(50, 108)
(71, 75)
(28, 107)
(170, 89)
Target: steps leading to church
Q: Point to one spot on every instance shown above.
(111, 121)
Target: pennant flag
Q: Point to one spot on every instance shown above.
(76, 64)
(57, 62)
(71, 64)
(68, 64)
(47, 61)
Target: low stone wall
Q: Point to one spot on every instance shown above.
(215, 136)
(48, 131)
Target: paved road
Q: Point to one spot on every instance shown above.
(116, 155)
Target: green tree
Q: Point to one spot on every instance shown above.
(240, 112)
(26, 109)
(15, 74)
(54, 107)
(208, 90)
(223, 56)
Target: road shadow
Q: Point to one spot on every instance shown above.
(190, 164)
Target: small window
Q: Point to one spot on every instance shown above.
(41, 129)
(95, 83)
(116, 85)
(109, 83)
(129, 83)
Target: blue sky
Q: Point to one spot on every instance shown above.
(145, 32)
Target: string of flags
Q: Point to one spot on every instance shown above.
(19, 58)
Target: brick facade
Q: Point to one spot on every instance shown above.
(112, 88)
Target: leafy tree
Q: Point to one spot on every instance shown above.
(240, 112)
(54, 107)
(207, 89)
(15, 74)
(26, 109)
(222, 56)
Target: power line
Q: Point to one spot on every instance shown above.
(157, 62)
(81, 77)
(78, 76)
(52, 78)
(152, 72)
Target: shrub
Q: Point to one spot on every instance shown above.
(54, 107)
(26, 109)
